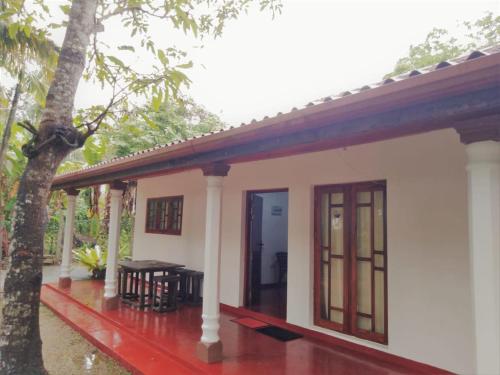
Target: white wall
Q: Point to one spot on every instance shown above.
(187, 248)
(429, 306)
(274, 234)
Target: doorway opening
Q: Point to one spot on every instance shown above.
(267, 252)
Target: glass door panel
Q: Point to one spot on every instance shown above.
(379, 302)
(364, 287)
(337, 284)
(363, 232)
(378, 222)
(369, 255)
(337, 230)
(324, 287)
(332, 232)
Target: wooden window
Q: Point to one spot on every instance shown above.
(350, 290)
(164, 215)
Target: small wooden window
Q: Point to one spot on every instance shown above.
(164, 215)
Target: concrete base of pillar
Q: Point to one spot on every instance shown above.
(64, 282)
(110, 303)
(209, 352)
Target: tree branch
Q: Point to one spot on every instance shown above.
(28, 126)
(98, 120)
(154, 12)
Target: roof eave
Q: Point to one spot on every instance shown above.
(463, 77)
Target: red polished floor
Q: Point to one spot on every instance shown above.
(160, 344)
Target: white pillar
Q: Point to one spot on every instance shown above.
(210, 347)
(212, 260)
(483, 171)
(110, 283)
(65, 277)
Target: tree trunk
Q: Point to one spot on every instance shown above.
(3, 233)
(10, 120)
(20, 343)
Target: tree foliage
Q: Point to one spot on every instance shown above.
(152, 128)
(59, 132)
(440, 45)
(167, 77)
(28, 50)
(13, 166)
(145, 129)
(29, 57)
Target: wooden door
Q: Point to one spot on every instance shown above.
(351, 259)
(255, 248)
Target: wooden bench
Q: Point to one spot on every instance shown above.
(165, 290)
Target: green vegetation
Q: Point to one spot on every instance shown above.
(51, 137)
(28, 57)
(440, 45)
(58, 133)
(147, 129)
(150, 125)
(94, 259)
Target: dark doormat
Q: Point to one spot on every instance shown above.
(279, 333)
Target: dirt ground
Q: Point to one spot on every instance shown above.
(65, 352)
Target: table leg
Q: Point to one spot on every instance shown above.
(151, 277)
(119, 282)
(136, 278)
(124, 274)
(142, 300)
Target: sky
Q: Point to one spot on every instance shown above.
(315, 48)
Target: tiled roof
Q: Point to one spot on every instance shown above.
(442, 65)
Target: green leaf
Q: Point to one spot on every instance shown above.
(185, 66)
(194, 28)
(65, 8)
(6, 14)
(12, 30)
(148, 121)
(126, 48)
(116, 61)
(94, 150)
(55, 25)
(163, 58)
(27, 30)
(157, 100)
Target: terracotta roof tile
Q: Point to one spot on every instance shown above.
(475, 55)
(442, 65)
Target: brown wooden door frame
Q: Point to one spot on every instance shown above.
(318, 253)
(350, 259)
(248, 203)
(254, 264)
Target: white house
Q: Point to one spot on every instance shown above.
(384, 203)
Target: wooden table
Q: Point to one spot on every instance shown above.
(144, 268)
